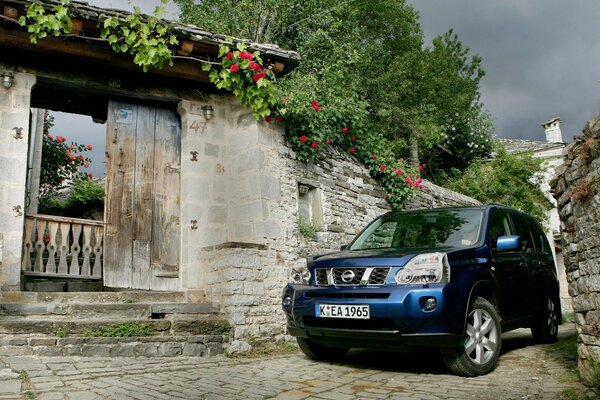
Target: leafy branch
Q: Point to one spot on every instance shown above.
(41, 24)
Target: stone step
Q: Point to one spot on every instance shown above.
(132, 296)
(67, 325)
(150, 346)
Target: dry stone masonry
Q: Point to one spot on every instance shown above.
(576, 190)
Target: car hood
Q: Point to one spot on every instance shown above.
(372, 257)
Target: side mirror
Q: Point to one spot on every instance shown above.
(508, 243)
(344, 247)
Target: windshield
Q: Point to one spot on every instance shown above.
(422, 229)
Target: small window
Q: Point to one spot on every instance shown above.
(523, 229)
(499, 226)
(310, 210)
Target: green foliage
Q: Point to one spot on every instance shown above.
(125, 329)
(306, 228)
(509, 179)
(147, 41)
(61, 162)
(85, 198)
(61, 333)
(245, 75)
(41, 22)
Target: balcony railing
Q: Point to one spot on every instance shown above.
(63, 247)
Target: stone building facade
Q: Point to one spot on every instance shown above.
(576, 189)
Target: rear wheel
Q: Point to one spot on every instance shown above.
(320, 352)
(480, 352)
(545, 326)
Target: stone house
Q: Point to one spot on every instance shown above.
(201, 199)
(576, 189)
(551, 151)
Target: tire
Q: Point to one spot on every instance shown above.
(479, 355)
(319, 352)
(544, 327)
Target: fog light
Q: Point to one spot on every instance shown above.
(287, 300)
(429, 303)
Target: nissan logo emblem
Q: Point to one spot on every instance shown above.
(347, 276)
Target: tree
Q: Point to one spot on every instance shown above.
(424, 101)
(509, 179)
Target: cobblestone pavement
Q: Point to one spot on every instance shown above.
(526, 371)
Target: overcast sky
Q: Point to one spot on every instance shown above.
(541, 57)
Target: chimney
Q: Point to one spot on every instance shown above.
(553, 133)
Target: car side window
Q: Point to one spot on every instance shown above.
(539, 237)
(523, 229)
(499, 226)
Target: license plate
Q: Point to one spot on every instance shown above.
(342, 311)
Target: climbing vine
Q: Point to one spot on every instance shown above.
(41, 22)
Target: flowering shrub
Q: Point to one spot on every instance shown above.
(244, 74)
(311, 124)
(61, 161)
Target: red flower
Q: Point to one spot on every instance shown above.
(279, 118)
(420, 168)
(80, 157)
(303, 138)
(89, 147)
(90, 175)
(421, 187)
(328, 141)
(314, 145)
(50, 137)
(268, 118)
(387, 195)
(60, 139)
(252, 65)
(284, 100)
(315, 105)
(72, 147)
(352, 137)
(373, 157)
(407, 180)
(344, 130)
(382, 168)
(234, 68)
(86, 164)
(399, 172)
(71, 156)
(230, 55)
(245, 56)
(352, 150)
(258, 76)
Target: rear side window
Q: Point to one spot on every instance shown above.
(499, 226)
(523, 227)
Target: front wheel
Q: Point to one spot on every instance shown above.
(319, 352)
(544, 327)
(480, 352)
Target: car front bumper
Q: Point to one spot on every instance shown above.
(398, 316)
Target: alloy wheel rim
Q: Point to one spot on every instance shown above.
(482, 337)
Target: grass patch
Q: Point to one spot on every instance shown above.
(263, 348)
(61, 332)
(566, 347)
(127, 329)
(307, 229)
(26, 386)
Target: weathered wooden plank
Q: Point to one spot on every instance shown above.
(65, 219)
(86, 250)
(98, 247)
(120, 164)
(144, 173)
(51, 264)
(28, 244)
(63, 249)
(40, 246)
(140, 278)
(165, 222)
(75, 249)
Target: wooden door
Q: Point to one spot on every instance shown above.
(142, 197)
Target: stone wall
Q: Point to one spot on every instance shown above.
(246, 274)
(576, 190)
(14, 142)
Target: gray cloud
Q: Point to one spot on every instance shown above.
(540, 56)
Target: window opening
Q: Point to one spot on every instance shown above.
(310, 210)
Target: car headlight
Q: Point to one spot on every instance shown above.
(300, 275)
(425, 268)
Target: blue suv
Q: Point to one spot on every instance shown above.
(453, 278)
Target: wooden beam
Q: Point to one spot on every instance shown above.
(91, 51)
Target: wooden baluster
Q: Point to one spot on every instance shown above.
(51, 264)
(98, 236)
(86, 250)
(28, 244)
(40, 246)
(63, 250)
(75, 249)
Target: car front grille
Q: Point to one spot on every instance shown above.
(343, 276)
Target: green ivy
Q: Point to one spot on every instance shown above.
(147, 41)
(41, 23)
